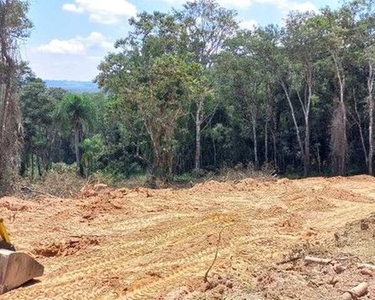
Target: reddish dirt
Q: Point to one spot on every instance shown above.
(158, 244)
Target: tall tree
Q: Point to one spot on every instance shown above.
(264, 43)
(14, 25)
(242, 74)
(336, 29)
(207, 27)
(364, 40)
(74, 112)
(38, 122)
(303, 49)
(153, 76)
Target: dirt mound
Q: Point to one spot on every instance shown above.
(67, 248)
(358, 238)
(342, 194)
(213, 186)
(292, 222)
(218, 287)
(351, 250)
(272, 212)
(308, 202)
(14, 204)
(363, 178)
(248, 184)
(99, 205)
(157, 244)
(298, 280)
(92, 190)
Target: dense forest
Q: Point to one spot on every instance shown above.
(189, 91)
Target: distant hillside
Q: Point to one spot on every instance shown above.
(73, 86)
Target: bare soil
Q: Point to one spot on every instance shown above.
(158, 244)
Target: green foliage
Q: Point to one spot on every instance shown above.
(93, 149)
(188, 90)
(14, 25)
(75, 108)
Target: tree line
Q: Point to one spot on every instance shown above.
(190, 91)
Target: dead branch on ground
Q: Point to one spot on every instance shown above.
(356, 292)
(215, 258)
(316, 260)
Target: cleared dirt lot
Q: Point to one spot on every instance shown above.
(158, 244)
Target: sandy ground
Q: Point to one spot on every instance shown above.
(158, 244)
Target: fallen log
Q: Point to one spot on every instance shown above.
(366, 266)
(356, 292)
(367, 272)
(316, 260)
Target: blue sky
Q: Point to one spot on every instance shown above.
(71, 37)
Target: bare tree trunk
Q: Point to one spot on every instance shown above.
(32, 166)
(294, 121)
(266, 142)
(39, 166)
(274, 141)
(339, 138)
(363, 144)
(10, 117)
(344, 124)
(275, 151)
(198, 124)
(255, 139)
(319, 159)
(306, 106)
(214, 148)
(370, 84)
(77, 145)
(307, 147)
(358, 121)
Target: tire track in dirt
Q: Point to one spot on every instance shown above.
(154, 241)
(126, 259)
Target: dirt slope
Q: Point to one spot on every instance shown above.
(146, 244)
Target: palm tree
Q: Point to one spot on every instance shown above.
(75, 112)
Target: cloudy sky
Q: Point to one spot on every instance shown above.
(70, 37)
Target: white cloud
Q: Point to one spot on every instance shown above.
(103, 11)
(63, 47)
(249, 24)
(78, 45)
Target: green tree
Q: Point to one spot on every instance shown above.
(75, 112)
(14, 25)
(38, 104)
(92, 149)
(363, 40)
(336, 29)
(154, 78)
(241, 80)
(303, 50)
(207, 26)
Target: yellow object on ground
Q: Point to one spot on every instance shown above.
(3, 232)
(16, 268)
